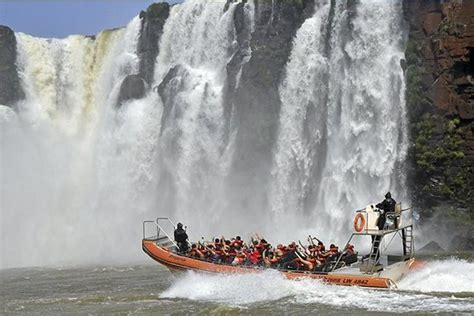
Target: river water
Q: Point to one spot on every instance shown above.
(442, 287)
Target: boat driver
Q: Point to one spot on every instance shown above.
(181, 238)
(387, 206)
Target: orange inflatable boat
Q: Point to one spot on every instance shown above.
(374, 270)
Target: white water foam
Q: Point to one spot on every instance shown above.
(451, 276)
(268, 286)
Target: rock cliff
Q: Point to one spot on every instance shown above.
(257, 102)
(153, 20)
(10, 89)
(440, 102)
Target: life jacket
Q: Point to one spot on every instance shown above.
(255, 257)
(350, 250)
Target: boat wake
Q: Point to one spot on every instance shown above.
(447, 276)
(436, 287)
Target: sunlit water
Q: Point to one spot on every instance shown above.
(441, 287)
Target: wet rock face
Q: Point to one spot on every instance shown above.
(10, 89)
(133, 87)
(256, 102)
(440, 101)
(444, 36)
(153, 20)
(168, 90)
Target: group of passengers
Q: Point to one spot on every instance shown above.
(258, 252)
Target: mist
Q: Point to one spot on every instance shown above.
(81, 169)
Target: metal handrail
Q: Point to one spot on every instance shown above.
(366, 230)
(160, 229)
(164, 231)
(382, 232)
(144, 228)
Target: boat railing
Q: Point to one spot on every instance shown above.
(397, 220)
(161, 233)
(401, 220)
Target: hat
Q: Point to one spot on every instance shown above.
(180, 225)
(388, 195)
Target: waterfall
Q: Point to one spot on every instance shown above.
(342, 124)
(80, 172)
(53, 161)
(303, 93)
(198, 41)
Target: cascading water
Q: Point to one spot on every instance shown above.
(58, 151)
(191, 72)
(342, 124)
(80, 174)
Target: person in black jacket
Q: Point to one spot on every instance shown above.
(387, 205)
(181, 238)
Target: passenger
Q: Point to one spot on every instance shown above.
(195, 253)
(217, 243)
(275, 261)
(292, 246)
(321, 262)
(231, 255)
(218, 255)
(239, 259)
(335, 253)
(237, 242)
(226, 246)
(321, 247)
(349, 256)
(349, 249)
(288, 260)
(181, 238)
(209, 252)
(282, 248)
(203, 250)
(260, 248)
(309, 263)
(247, 253)
(277, 256)
(262, 245)
(255, 257)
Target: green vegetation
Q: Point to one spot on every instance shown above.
(416, 94)
(449, 26)
(439, 157)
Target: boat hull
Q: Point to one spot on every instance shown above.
(177, 263)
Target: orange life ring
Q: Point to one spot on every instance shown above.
(359, 222)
